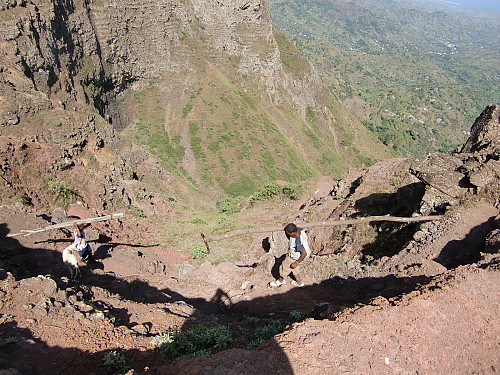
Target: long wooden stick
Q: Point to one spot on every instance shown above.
(319, 224)
(67, 224)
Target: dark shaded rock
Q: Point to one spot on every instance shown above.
(492, 243)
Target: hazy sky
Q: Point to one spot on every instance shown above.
(482, 4)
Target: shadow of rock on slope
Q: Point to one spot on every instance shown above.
(467, 250)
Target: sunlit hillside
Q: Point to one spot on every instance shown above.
(417, 76)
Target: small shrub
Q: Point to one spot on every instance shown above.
(65, 164)
(264, 333)
(230, 205)
(292, 191)
(294, 316)
(58, 123)
(272, 189)
(268, 191)
(37, 146)
(64, 193)
(198, 251)
(197, 341)
(115, 361)
(163, 339)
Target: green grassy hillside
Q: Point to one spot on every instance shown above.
(418, 77)
(213, 128)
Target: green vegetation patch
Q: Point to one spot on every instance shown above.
(150, 127)
(268, 331)
(198, 251)
(65, 194)
(197, 341)
(230, 205)
(273, 189)
(244, 186)
(115, 361)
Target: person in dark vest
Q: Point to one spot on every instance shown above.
(298, 251)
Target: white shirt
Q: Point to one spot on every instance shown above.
(80, 242)
(292, 245)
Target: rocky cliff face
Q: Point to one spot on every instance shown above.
(95, 50)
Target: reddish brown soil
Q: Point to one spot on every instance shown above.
(387, 324)
(414, 312)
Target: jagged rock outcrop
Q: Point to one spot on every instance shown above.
(485, 133)
(439, 172)
(474, 166)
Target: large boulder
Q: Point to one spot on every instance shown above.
(444, 183)
(473, 167)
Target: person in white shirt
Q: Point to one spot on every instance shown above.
(298, 251)
(81, 243)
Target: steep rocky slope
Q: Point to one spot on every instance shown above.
(73, 74)
(424, 309)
